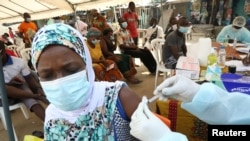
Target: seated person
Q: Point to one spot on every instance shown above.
(5, 39)
(105, 69)
(235, 31)
(153, 32)
(175, 46)
(21, 85)
(81, 108)
(127, 46)
(172, 25)
(123, 61)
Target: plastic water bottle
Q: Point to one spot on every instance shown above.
(235, 42)
(212, 57)
(222, 57)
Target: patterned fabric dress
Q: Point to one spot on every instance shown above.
(94, 126)
(101, 73)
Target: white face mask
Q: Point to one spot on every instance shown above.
(68, 93)
(28, 19)
(174, 26)
(124, 24)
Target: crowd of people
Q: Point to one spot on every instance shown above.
(83, 88)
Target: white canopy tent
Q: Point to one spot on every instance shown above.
(12, 10)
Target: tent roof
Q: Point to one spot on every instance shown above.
(11, 11)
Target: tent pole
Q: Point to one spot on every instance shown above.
(162, 14)
(5, 104)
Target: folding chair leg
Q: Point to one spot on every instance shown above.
(25, 111)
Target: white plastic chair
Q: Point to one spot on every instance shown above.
(25, 54)
(13, 48)
(157, 53)
(11, 108)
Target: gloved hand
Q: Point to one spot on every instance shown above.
(145, 125)
(177, 87)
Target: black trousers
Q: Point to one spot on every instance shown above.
(145, 56)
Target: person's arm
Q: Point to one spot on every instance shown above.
(208, 102)
(245, 36)
(216, 106)
(104, 48)
(33, 82)
(221, 36)
(146, 126)
(14, 92)
(125, 95)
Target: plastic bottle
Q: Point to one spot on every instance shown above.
(235, 42)
(212, 57)
(222, 57)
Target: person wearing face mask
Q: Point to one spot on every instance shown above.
(132, 21)
(105, 69)
(124, 62)
(174, 45)
(27, 27)
(127, 46)
(172, 25)
(235, 31)
(21, 84)
(99, 21)
(153, 32)
(80, 107)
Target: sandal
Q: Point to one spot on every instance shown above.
(135, 81)
(38, 134)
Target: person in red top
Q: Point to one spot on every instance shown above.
(132, 19)
(27, 29)
(11, 33)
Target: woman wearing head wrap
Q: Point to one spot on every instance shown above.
(105, 69)
(80, 109)
(99, 21)
(124, 62)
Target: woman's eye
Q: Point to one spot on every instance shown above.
(47, 76)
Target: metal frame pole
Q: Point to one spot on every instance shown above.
(6, 104)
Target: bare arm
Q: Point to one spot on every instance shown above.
(175, 52)
(33, 82)
(104, 48)
(129, 100)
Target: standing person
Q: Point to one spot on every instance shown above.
(11, 33)
(21, 84)
(153, 32)
(175, 45)
(105, 69)
(172, 25)
(81, 26)
(99, 21)
(234, 31)
(128, 46)
(27, 29)
(133, 21)
(124, 62)
(81, 108)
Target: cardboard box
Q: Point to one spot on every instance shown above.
(188, 67)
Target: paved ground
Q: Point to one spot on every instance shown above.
(24, 127)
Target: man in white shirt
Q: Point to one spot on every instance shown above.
(21, 85)
(153, 32)
(81, 26)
